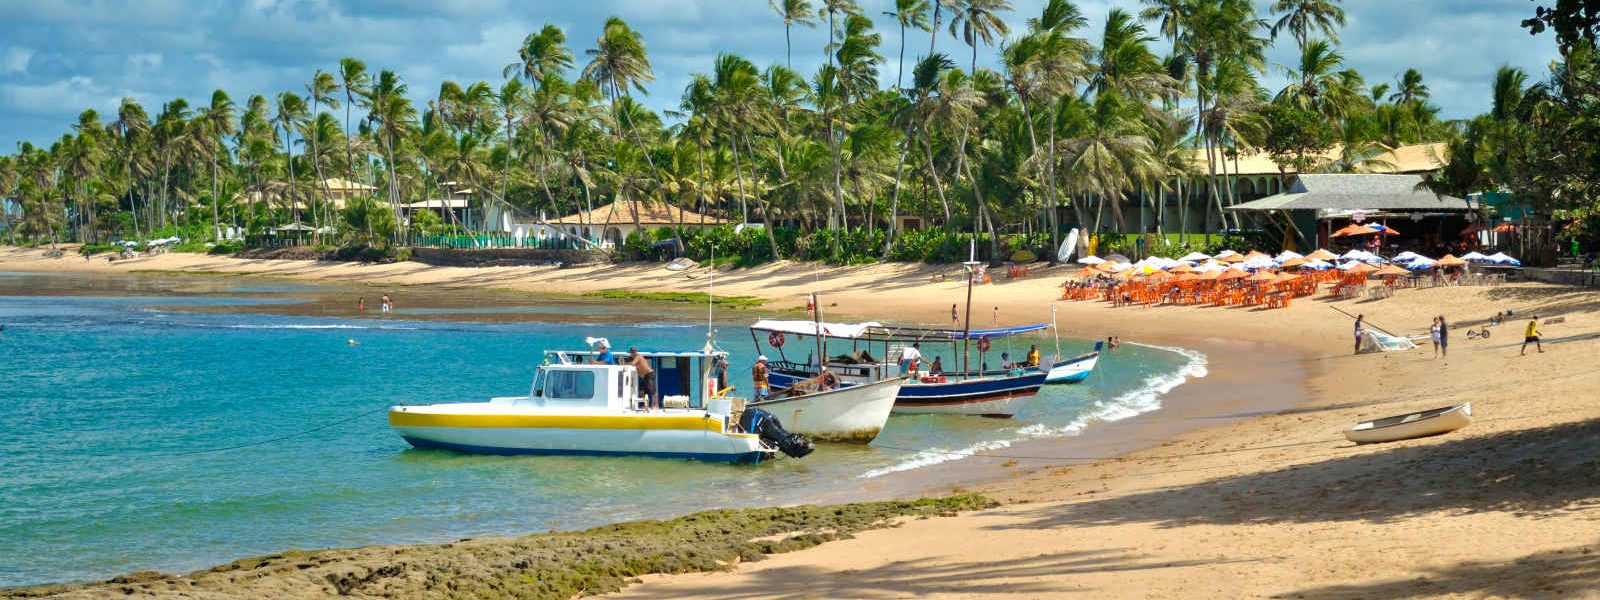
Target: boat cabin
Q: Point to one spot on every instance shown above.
(683, 380)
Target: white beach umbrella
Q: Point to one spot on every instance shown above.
(1353, 254)
(1194, 257)
(1259, 262)
(1287, 255)
(1091, 260)
(1420, 263)
(1406, 256)
(1121, 266)
(1117, 258)
(1225, 254)
(1501, 258)
(1317, 264)
(1475, 256)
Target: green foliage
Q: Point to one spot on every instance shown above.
(402, 254)
(679, 297)
(1294, 136)
(427, 222)
(225, 248)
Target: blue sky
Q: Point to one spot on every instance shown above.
(58, 57)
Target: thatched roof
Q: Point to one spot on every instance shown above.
(1346, 192)
(650, 213)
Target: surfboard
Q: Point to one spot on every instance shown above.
(1068, 247)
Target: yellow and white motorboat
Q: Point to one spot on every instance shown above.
(588, 408)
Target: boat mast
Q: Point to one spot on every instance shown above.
(1055, 331)
(816, 317)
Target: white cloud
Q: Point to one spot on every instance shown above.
(145, 60)
(15, 60)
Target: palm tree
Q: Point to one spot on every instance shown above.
(1112, 154)
(793, 12)
(321, 90)
(1300, 16)
(618, 64)
(392, 112)
(912, 14)
(542, 54)
(979, 21)
(353, 78)
(217, 123)
(291, 112)
(1409, 88)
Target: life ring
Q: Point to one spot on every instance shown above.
(776, 339)
(983, 344)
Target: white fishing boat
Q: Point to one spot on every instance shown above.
(845, 414)
(1412, 425)
(583, 408)
(1075, 369)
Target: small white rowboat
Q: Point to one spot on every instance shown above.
(1412, 425)
(847, 414)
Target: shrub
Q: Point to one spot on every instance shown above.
(225, 248)
(93, 249)
(402, 254)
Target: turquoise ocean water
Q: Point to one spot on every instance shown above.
(113, 406)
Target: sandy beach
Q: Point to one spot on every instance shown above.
(1243, 486)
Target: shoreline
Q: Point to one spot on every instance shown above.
(1268, 439)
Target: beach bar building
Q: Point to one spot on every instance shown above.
(1314, 207)
(612, 223)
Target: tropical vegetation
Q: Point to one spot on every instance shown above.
(1135, 128)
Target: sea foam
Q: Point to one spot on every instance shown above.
(1140, 400)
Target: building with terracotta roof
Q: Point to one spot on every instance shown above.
(613, 222)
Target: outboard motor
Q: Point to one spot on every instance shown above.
(763, 424)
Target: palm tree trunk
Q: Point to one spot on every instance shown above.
(899, 169)
(939, 185)
(900, 77)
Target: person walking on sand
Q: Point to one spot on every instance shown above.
(1433, 333)
(954, 316)
(1361, 327)
(1444, 337)
(1532, 337)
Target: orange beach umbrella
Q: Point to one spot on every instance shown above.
(1450, 260)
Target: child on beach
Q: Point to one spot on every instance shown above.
(1532, 337)
(1433, 332)
(1444, 337)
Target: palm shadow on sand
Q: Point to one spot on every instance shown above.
(1528, 472)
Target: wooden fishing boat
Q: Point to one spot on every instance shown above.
(1412, 425)
(854, 413)
(975, 391)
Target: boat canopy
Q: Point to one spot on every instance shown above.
(847, 331)
(876, 331)
(563, 356)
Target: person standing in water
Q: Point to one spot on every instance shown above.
(361, 305)
(388, 304)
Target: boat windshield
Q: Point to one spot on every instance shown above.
(569, 385)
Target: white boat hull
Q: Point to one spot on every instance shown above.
(1412, 425)
(479, 428)
(1074, 370)
(849, 414)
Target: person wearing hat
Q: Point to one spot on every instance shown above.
(604, 355)
(758, 374)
